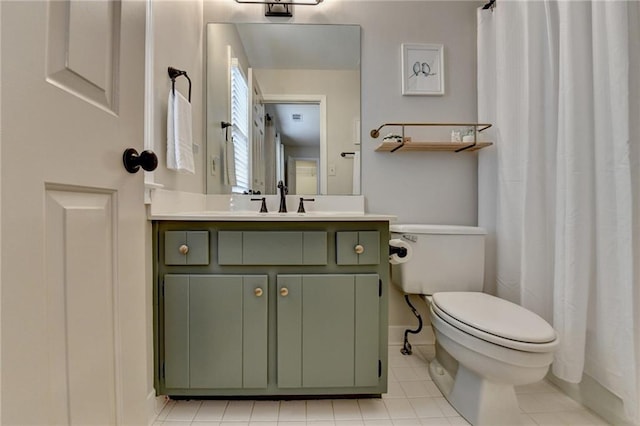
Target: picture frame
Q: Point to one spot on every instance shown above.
(422, 69)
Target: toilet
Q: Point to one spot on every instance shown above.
(484, 345)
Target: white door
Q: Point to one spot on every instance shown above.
(74, 320)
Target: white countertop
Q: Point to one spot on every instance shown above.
(228, 216)
(176, 205)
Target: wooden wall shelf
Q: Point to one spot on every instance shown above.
(431, 146)
(408, 145)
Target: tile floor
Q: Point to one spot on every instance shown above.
(412, 400)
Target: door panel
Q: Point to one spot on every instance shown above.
(79, 254)
(84, 47)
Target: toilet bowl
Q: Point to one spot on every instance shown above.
(505, 346)
(484, 345)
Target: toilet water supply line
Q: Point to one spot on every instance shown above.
(396, 252)
(406, 346)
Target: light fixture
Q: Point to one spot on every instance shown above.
(281, 7)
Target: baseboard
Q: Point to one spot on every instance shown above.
(155, 404)
(425, 337)
(594, 396)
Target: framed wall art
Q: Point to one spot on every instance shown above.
(422, 69)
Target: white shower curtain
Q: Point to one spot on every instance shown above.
(561, 188)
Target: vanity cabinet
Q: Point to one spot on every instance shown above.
(277, 309)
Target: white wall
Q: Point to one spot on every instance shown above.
(174, 38)
(177, 41)
(418, 187)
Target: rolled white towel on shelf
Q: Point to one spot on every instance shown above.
(395, 258)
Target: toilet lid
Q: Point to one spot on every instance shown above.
(495, 316)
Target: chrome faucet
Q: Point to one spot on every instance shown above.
(283, 198)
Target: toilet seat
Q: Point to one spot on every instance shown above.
(495, 320)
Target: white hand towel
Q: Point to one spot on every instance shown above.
(179, 134)
(356, 173)
(229, 164)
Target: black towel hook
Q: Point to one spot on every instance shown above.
(175, 73)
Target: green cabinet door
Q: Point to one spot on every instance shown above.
(186, 248)
(215, 331)
(358, 248)
(328, 330)
(272, 248)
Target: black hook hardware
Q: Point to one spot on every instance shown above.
(491, 5)
(175, 73)
(132, 161)
(225, 125)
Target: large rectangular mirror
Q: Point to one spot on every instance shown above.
(283, 103)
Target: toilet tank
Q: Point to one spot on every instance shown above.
(444, 258)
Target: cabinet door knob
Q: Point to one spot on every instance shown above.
(284, 291)
(258, 292)
(184, 249)
(359, 249)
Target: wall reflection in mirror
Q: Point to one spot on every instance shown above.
(283, 103)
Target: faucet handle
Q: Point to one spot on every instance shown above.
(282, 187)
(301, 205)
(263, 206)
